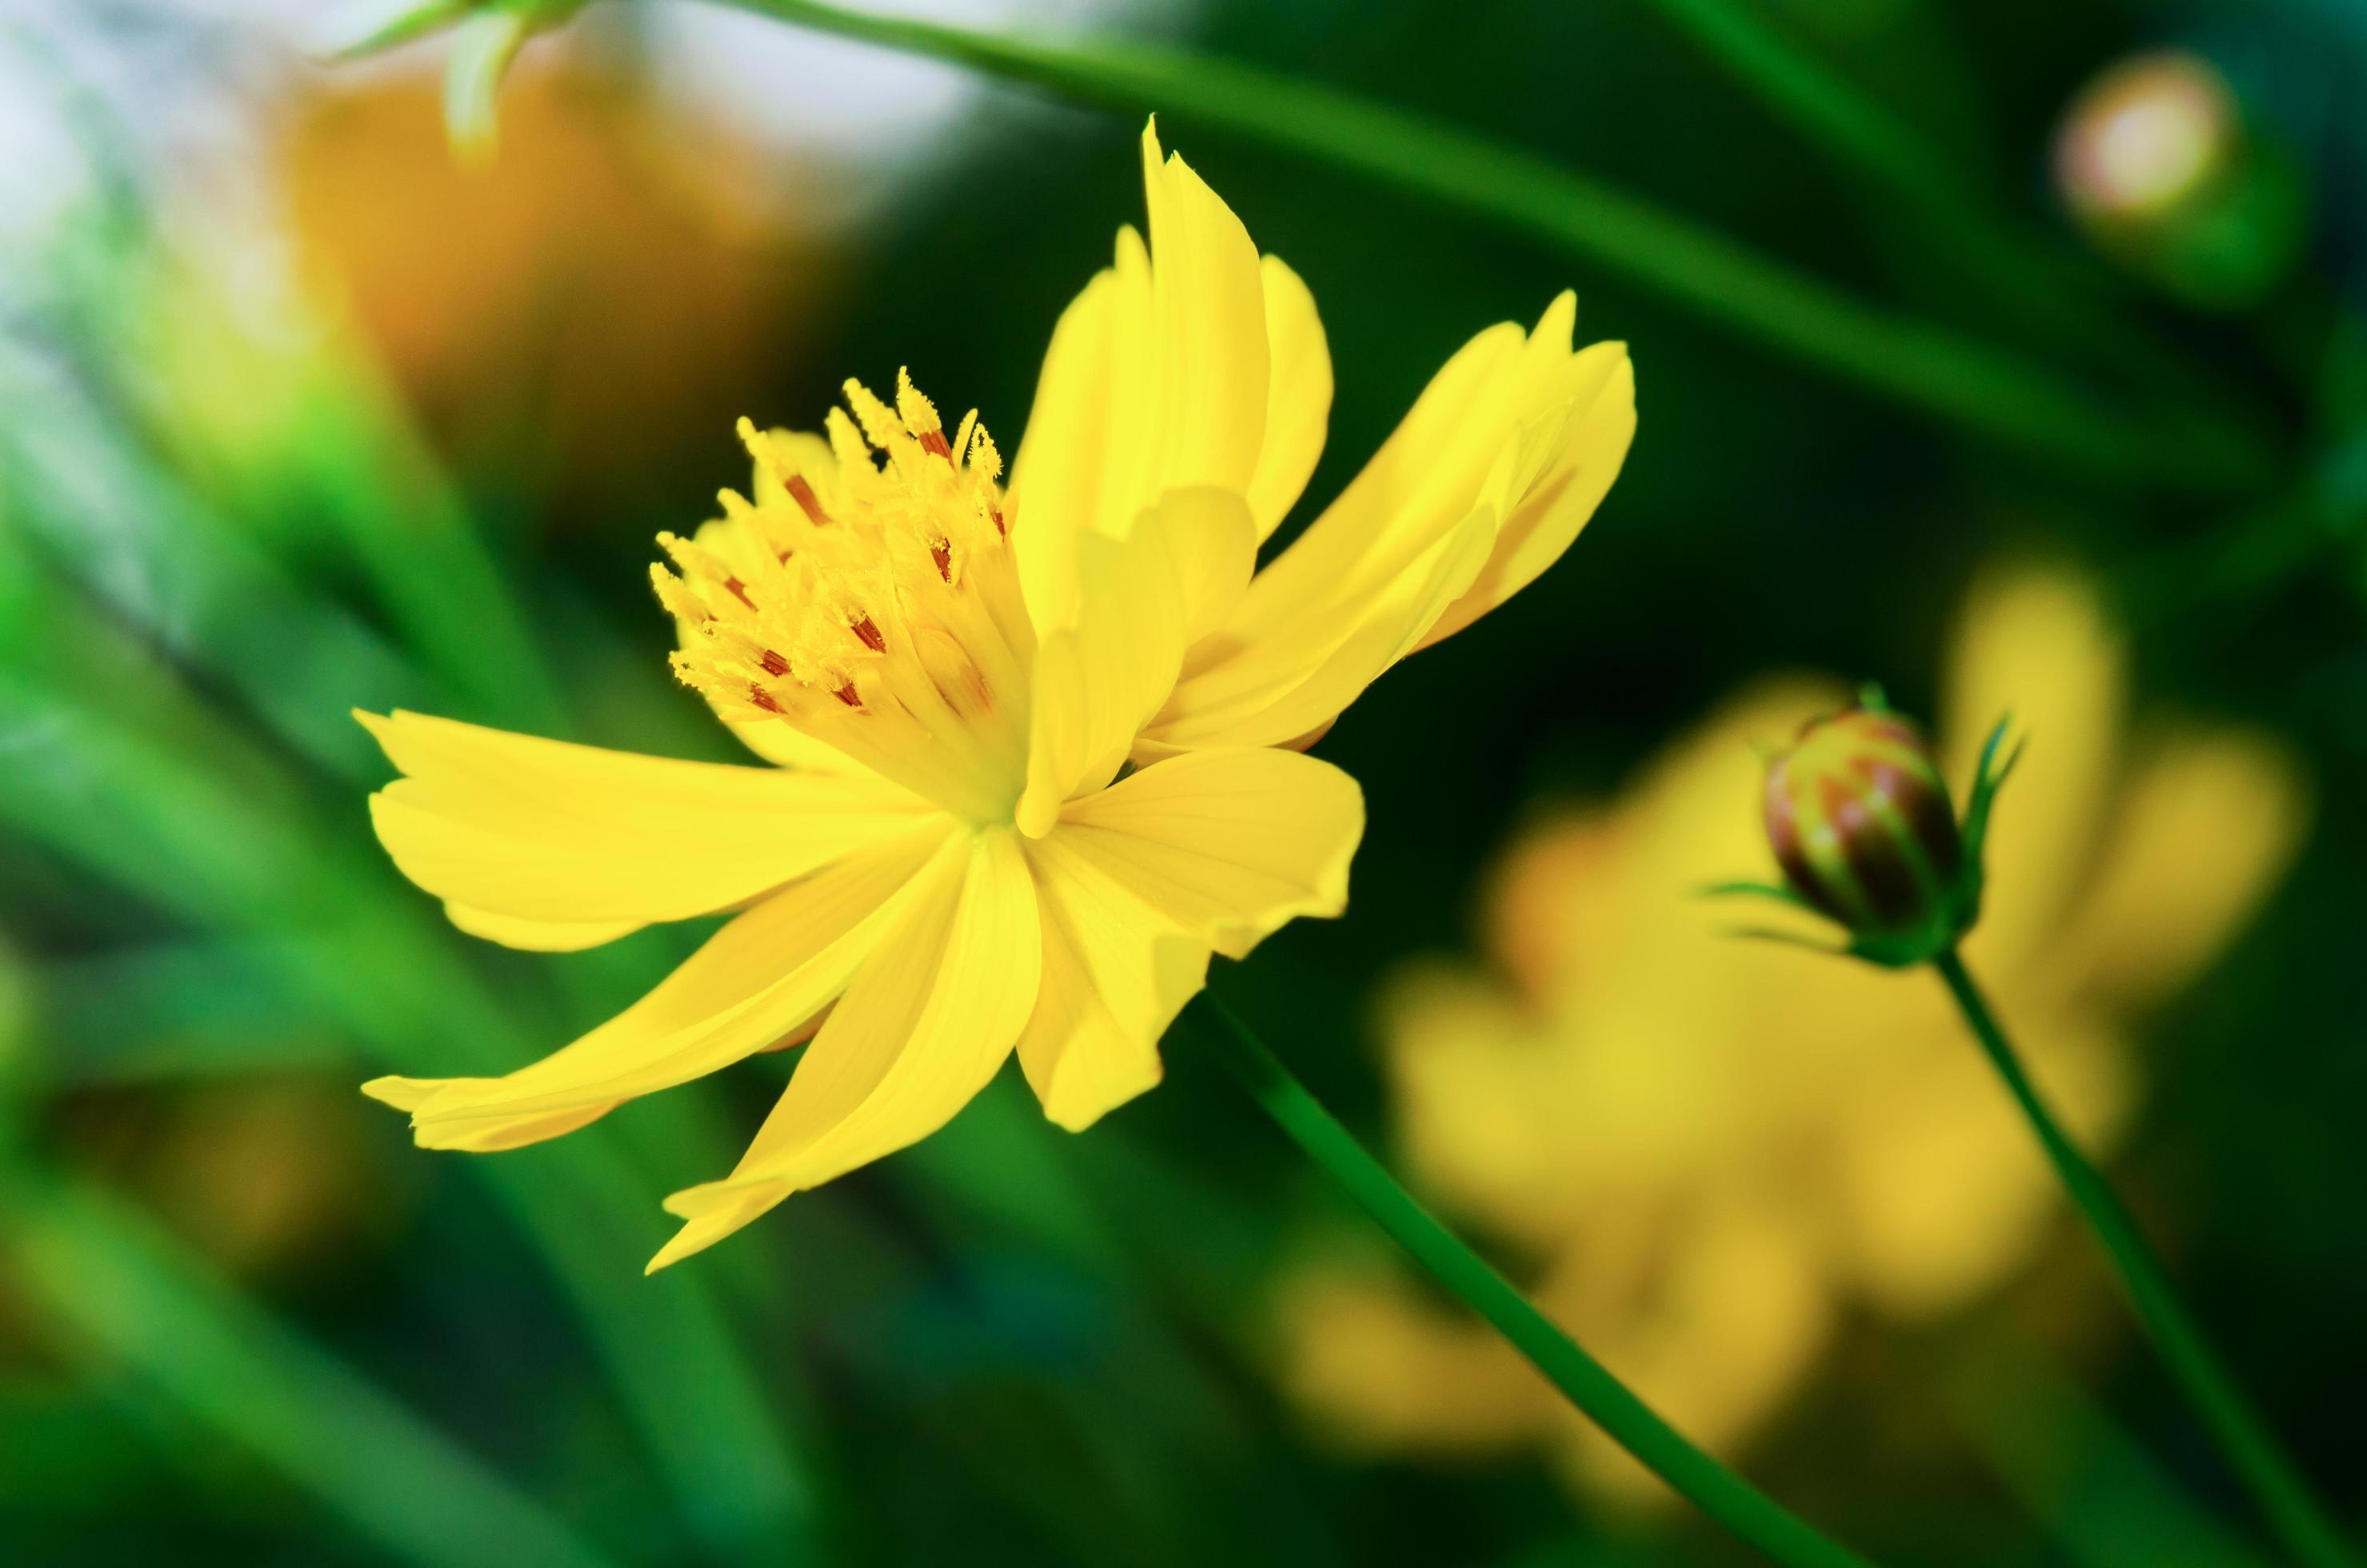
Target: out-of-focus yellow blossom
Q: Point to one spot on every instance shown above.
(267, 1177)
(1039, 750)
(595, 297)
(1715, 1148)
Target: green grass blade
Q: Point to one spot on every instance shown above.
(202, 1008)
(2072, 1466)
(323, 450)
(178, 810)
(2047, 285)
(131, 1300)
(353, 469)
(157, 559)
(1813, 98)
(423, 557)
(1966, 383)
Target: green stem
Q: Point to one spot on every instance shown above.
(1943, 373)
(1717, 1491)
(2282, 1494)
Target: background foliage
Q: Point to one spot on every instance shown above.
(301, 416)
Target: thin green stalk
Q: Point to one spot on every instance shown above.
(2283, 1497)
(1940, 371)
(1716, 1489)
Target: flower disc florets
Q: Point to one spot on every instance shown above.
(866, 597)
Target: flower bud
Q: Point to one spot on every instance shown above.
(1859, 817)
(2156, 165)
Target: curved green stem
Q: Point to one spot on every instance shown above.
(2283, 1497)
(1717, 1491)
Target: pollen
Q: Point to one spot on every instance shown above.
(864, 593)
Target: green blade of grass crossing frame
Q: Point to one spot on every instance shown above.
(1969, 383)
(2050, 287)
(2074, 1468)
(177, 807)
(342, 460)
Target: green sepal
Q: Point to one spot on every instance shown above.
(483, 49)
(370, 27)
(1747, 889)
(486, 37)
(1789, 938)
(1986, 778)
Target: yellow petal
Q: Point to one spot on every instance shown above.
(1297, 399)
(1099, 678)
(2035, 644)
(1491, 475)
(535, 936)
(542, 833)
(752, 984)
(1156, 378)
(784, 745)
(1547, 518)
(2199, 839)
(926, 1022)
(1209, 301)
(1116, 973)
(1227, 844)
(1429, 474)
(1298, 678)
(1056, 478)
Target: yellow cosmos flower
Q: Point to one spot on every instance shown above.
(1037, 749)
(1717, 1148)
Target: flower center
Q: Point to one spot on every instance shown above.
(867, 597)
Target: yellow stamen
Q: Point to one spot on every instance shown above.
(872, 604)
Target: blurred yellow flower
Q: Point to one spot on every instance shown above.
(1714, 1147)
(599, 298)
(269, 1177)
(1039, 749)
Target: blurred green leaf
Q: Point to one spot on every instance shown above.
(2049, 286)
(1969, 382)
(155, 558)
(142, 376)
(2074, 1469)
(179, 1010)
(133, 1300)
(166, 823)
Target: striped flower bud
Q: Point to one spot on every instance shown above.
(1859, 818)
